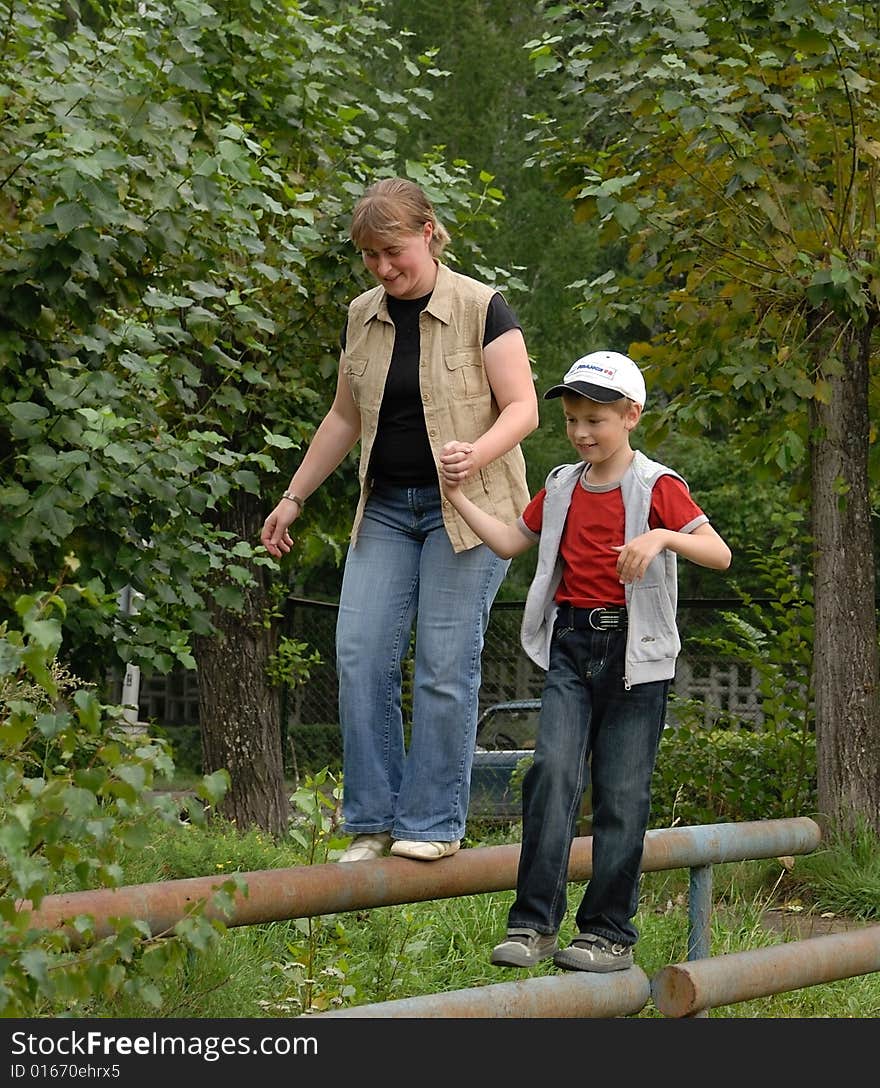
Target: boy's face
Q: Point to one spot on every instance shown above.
(598, 431)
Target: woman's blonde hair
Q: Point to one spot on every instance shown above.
(392, 207)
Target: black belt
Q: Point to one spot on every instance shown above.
(603, 618)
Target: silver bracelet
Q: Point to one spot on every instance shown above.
(289, 495)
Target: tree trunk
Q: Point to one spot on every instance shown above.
(239, 711)
(845, 663)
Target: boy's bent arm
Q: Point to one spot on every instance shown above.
(506, 540)
(703, 546)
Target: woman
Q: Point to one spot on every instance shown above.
(429, 357)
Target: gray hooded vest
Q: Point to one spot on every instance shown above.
(652, 642)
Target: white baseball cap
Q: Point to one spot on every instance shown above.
(603, 376)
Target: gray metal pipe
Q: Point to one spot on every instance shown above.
(700, 912)
(579, 995)
(685, 989)
(311, 890)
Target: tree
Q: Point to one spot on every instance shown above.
(481, 114)
(174, 185)
(480, 45)
(740, 168)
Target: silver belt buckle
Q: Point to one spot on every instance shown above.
(603, 625)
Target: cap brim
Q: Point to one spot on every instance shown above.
(585, 389)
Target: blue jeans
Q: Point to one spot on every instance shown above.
(403, 571)
(588, 715)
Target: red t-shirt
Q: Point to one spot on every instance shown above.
(594, 525)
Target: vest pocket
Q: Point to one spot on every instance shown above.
(655, 637)
(467, 375)
(355, 370)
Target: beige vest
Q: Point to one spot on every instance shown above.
(456, 397)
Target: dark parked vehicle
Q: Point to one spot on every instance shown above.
(506, 734)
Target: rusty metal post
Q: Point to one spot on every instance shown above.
(306, 891)
(579, 994)
(685, 989)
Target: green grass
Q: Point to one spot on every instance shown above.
(283, 969)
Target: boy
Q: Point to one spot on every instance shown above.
(600, 618)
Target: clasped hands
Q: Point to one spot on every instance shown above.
(457, 463)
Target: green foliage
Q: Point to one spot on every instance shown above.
(753, 512)
(185, 848)
(775, 638)
(75, 799)
(729, 771)
(318, 803)
(185, 745)
(707, 776)
(312, 977)
(738, 166)
(292, 662)
(174, 193)
(479, 113)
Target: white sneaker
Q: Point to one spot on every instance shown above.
(424, 851)
(367, 847)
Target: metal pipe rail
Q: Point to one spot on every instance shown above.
(310, 890)
(577, 995)
(688, 989)
(679, 990)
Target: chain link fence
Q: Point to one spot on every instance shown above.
(509, 674)
(507, 671)
(725, 689)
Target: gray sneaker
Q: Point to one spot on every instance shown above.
(523, 948)
(590, 952)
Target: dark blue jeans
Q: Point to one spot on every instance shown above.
(587, 715)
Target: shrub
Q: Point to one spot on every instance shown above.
(715, 776)
(730, 772)
(316, 747)
(75, 795)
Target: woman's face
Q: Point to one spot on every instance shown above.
(403, 265)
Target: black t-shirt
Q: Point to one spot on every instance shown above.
(401, 452)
